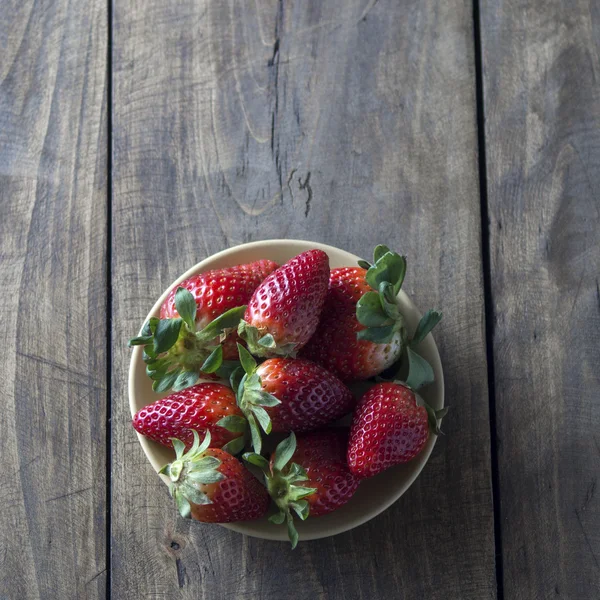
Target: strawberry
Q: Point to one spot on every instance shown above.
(212, 486)
(197, 315)
(307, 476)
(202, 408)
(361, 332)
(284, 310)
(285, 394)
(391, 425)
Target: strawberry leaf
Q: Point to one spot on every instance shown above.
(292, 533)
(247, 360)
(235, 378)
(184, 380)
(301, 508)
(267, 341)
(228, 320)
(262, 398)
(380, 251)
(166, 382)
(277, 518)
(235, 446)
(213, 361)
(428, 321)
(378, 335)
(257, 460)
(364, 264)
(370, 312)
(263, 418)
(284, 452)
(186, 307)
(233, 423)
(420, 372)
(255, 433)
(166, 334)
(185, 510)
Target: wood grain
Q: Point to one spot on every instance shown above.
(543, 154)
(53, 299)
(349, 123)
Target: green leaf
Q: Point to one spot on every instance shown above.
(277, 518)
(390, 267)
(185, 510)
(141, 340)
(262, 416)
(247, 360)
(196, 443)
(205, 442)
(235, 446)
(148, 355)
(301, 508)
(178, 446)
(205, 463)
(214, 360)
(233, 423)
(388, 300)
(185, 379)
(227, 320)
(267, 341)
(167, 382)
(257, 460)
(205, 477)
(296, 473)
(227, 368)
(433, 416)
(420, 372)
(255, 433)
(193, 494)
(166, 334)
(297, 492)
(284, 452)
(262, 398)
(370, 312)
(235, 378)
(428, 321)
(292, 533)
(380, 251)
(364, 264)
(186, 307)
(378, 335)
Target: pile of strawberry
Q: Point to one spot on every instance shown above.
(258, 350)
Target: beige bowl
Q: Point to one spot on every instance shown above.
(373, 495)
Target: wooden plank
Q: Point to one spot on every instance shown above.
(349, 123)
(542, 114)
(53, 299)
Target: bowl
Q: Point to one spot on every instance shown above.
(374, 495)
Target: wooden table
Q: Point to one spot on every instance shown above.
(138, 137)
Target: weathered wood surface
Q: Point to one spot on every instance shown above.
(541, 64)
(349, 123)
(53, 149)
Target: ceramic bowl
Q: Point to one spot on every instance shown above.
(373, 495)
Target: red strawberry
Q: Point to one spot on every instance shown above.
(316, 461)
(196, 317)
(205, 407)
(391, 425)
(287, 394)
(361, 332)
(285, 308)
(212, 486)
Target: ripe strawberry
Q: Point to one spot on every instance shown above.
(391, 425)
(287, 394)
(202, 408)
(317, 461)
(285, 308)
(212, 486)
(196, 317)
(361, 332)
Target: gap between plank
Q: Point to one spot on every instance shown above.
(109, 303)
(488, 298)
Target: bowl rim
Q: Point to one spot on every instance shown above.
(245, 527)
